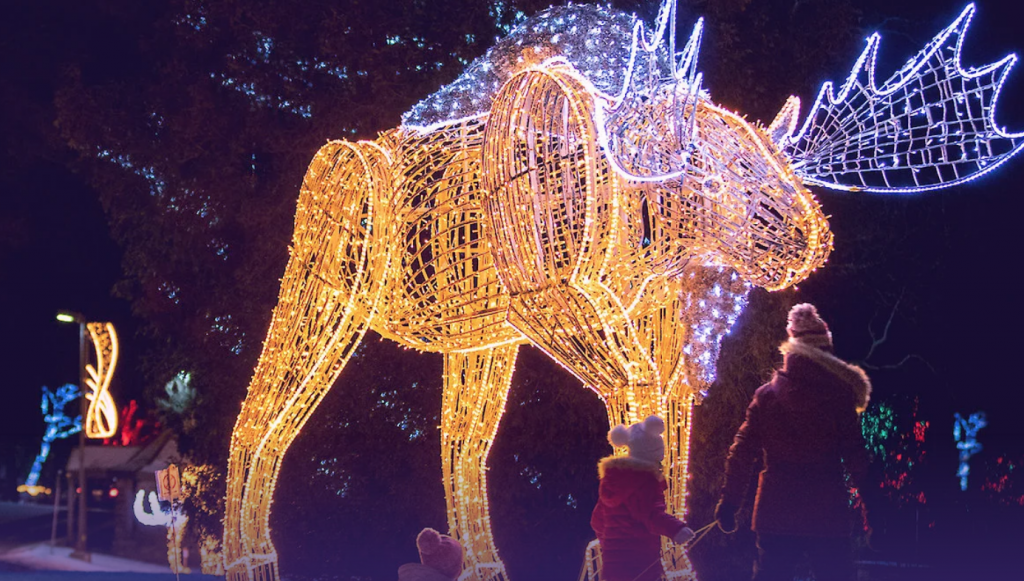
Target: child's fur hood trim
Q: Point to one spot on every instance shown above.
(628, 463)
(848, 373)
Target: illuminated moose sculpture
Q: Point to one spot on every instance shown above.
(577, 190)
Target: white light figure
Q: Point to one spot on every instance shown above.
(58, 425)
(156, 516)
(175, 522)
(180, 393)
(965, 432)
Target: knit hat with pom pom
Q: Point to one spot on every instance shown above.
(440, 552)
(643, 438)
(807, 327)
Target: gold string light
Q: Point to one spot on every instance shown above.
(101, 417)
(521, 225)
(494, 232)
(194, 479)
(210, 560)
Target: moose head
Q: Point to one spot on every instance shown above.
(734, 193)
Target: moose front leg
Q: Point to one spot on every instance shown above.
(684, 336)
(328, 296)
(476, 387)
(678, 414)
(677, 411)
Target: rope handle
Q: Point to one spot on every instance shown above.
(698, 535)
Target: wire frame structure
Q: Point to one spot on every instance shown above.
(101, 417)
(328, 296)
(580, 194)
(931, 125)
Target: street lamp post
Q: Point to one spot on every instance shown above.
(81, 551)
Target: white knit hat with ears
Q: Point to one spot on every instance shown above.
(643, 438)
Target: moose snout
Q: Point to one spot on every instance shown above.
(787, 237)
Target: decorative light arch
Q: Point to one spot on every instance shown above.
(101, 418)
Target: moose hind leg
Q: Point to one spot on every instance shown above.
(327, 298)
(476, 387)
(678, 414)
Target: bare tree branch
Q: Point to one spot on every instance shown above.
(877, 341)
(902, 362)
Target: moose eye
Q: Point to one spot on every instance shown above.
(712, 186)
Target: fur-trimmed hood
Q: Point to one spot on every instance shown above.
(628, 463)
(624, 477)
(847, 373)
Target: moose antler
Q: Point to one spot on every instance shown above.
(931, 125)
(635, 150)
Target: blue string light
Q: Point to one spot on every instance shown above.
(965, 432)
(58, 425)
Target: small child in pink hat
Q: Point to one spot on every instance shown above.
(440, 558)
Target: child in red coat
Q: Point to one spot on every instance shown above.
(630, 516)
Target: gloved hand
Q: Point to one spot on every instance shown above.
(725, 515)
(683, 536)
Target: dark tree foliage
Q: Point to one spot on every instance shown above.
(748, 357)
(543, 479)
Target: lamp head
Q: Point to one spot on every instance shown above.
(70, 317)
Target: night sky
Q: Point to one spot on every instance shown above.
(960, 245)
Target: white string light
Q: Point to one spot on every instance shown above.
(931, 125)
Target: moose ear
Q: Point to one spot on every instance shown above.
(784, 125)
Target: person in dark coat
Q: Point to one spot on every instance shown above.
(630, 516)
(440, 558)
(805, 425)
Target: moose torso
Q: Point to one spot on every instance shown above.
(443, 291)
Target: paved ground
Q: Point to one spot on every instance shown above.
(104, 576)
(24, 524)
(26, 554)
